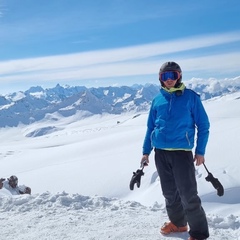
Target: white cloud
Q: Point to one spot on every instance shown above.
(128, 61)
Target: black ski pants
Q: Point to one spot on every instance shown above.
(179, 187)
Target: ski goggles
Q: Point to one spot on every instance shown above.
(173, 75)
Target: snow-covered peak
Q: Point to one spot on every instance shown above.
(36, 103)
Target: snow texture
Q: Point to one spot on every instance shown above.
(80, 172)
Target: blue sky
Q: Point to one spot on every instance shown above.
(115, 42)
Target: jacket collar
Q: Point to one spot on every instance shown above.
(174, 89)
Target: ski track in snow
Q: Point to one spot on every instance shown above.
(64, 216)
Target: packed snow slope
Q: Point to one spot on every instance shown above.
(79, 172)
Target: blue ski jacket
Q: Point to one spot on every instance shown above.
(172, 120)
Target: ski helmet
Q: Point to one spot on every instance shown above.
(171, 66)
(13, 181)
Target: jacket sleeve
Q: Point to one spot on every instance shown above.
(147, 144)
(202, 125)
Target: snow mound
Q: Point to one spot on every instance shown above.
(42, 131)
(46, 201)
(231, 196)
(73, 216)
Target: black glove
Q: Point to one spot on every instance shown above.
(216, 184)
(136, 178)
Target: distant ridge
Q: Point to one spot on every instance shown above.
(37, 103)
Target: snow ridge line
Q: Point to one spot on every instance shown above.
(46, 200)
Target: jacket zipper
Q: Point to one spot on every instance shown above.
(170, 103)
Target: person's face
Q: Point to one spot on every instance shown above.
(169, 78)
(13, 184)
(169, 83)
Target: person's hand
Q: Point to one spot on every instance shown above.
(145, 160)
(199, 159)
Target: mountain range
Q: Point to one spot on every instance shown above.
(36, 103)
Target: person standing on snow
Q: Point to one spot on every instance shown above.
(174, 115)
(11, 184)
